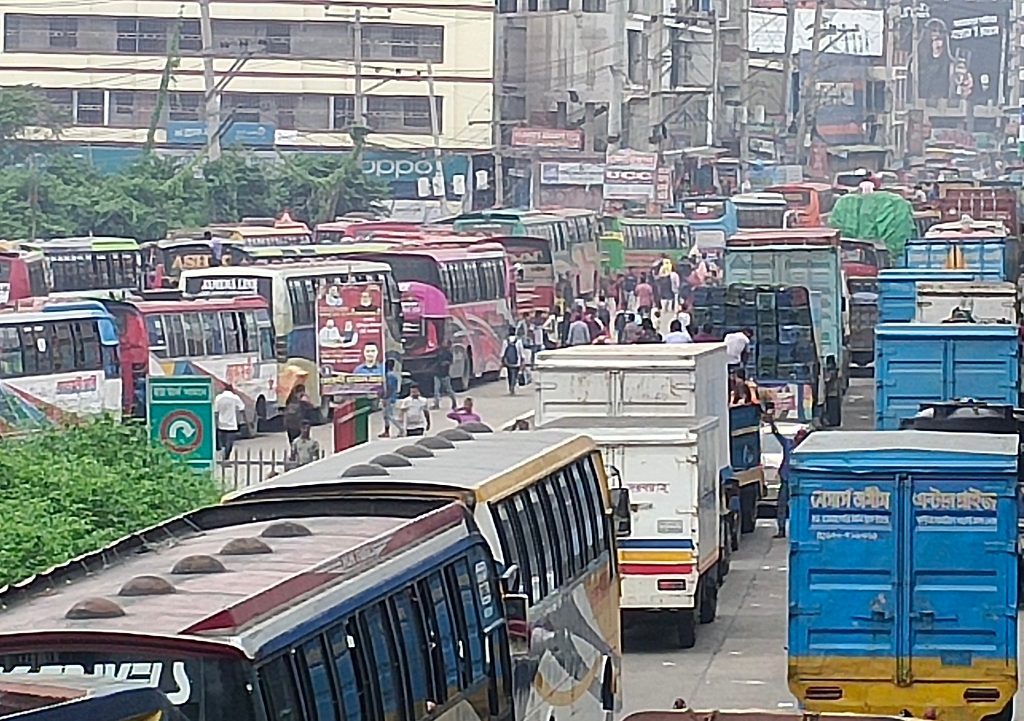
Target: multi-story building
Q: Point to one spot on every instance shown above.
(288, 66)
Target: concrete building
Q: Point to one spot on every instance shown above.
(287, 68)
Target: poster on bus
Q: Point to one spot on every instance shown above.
(350, 338)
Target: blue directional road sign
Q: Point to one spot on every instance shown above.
(180, 414)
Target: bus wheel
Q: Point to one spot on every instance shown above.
(686, 629)
(461, 384)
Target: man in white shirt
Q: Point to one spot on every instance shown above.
(227, 407)
(677, 334)
(414, 413)
(736, 345)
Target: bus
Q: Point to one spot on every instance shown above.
(643, 241)
(291, 293)
(56, 365)
(259, 231)
(23, 274)
(56, 697)
(96, 266)
(761, 210)
(542, 501)
(164, 260)
(811, 202)
(229, 340)
(346, 230)
(571, 235)
(265, 612)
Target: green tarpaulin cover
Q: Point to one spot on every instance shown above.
(875, 216)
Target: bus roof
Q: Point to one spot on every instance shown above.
(197, 305)
(249, 577)
(180, 240)
(759, 199)
(507, 215)
(663, 220)
(492, 465)
(291, 269)
(88, 243)
(54, 313)
(819, 187)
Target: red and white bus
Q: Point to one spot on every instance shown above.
(473, 282)
(230, 340)
(23, 274)
(347, 230)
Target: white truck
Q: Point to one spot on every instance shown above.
(672, 561)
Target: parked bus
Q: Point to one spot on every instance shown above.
(230, 340)
(346, 230)
(291, 292)
(761, 210)
(644, 241)
(164, 260)
(572, 237)
(541, 499)
(23, 274)
(55, 365)
(56, 697)
(97, 266)
(811, 202)
(266, 612)
(712, 220)
(256, 231)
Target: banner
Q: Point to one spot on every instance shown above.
(630, 175)
(959, 48)
(350, 338)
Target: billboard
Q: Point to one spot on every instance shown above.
(350, 338)
(958, 48)
(630, 175)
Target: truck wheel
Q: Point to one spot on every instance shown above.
(748, 508)
(724, 563)
(686, 629)
(708, 602)
(734, 531)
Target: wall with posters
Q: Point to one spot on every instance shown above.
(350, 339)
(958, 48)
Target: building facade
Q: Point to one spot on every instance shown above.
(286, 70)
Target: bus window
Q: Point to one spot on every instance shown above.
(214, 333)
(280, 694)
(463, 581)
(385, 659)
(232, 333)
(11, 358)
(155, 333)
(195, 343)
(318, 681)
(445, 625)
(175, 336)
(353, 700)
(414, 643)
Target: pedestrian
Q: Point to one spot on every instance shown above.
(706, 334)
(579, 332)
(644, 295)
(603, 313)
(675, 283)
(594, 324)
(465, 413)
(297, 408)
(443, 375)
(512, 360)
(736, 345)
(304, 449)
(538, 334)
(389, 397)
(629, 284)
(787, 445)
(648, 333)
(227, 406)
(677, 334)
(414, 413)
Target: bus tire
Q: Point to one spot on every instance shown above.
(708, 602)
(1005, 715)
(461, 384)
(686, 629)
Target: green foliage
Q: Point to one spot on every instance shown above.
(24, 106)
(66, 492)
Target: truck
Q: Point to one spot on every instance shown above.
(982, 203)
(658, 381)
(810, 258)
(986, 248)
(897, 290)
(903, 574)
(672, 562)
(983, 302)
(919, 363)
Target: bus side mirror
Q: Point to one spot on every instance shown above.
(515, 620)
(509, 580)
(622, 517)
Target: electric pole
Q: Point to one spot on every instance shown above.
(435, 130)
(787, 65)
(744, 137)
(617, 69)
(808, 104)
(212, 97)
(358, 53)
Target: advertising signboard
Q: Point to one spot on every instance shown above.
(181, 417)
(350, 338)
(630, 175)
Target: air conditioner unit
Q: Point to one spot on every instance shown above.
(759, 114)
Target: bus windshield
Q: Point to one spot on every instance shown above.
(87, 270)
(764, 216)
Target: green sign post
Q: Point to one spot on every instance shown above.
(181, 418)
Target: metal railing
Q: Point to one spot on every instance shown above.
(249, 466)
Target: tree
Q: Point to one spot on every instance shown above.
(23, 107)
(240, 186)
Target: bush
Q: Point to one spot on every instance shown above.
(69, 491)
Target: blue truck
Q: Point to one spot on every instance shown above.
(897, 290)
(919, 363)
(990, 255)
(903, 574)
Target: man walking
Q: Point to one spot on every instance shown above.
(227, 406)
(389, 397)
(414, 413)
(512, 359)
(442, 376)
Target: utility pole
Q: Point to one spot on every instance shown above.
(358, 53)
(744, 134)
(435, 130)
(211, 95)
(787, 65)
(891, 16)
(618, 69)
(808, 106)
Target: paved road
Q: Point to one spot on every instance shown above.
(740, 659)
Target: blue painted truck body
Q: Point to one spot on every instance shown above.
(990, 258)
(917, 363)
(903, 573)
(897, 290)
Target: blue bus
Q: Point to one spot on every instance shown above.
(299, 610)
